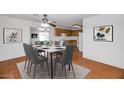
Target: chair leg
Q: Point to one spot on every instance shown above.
(28, 65)
(55, 69)
(41, 65)
(65, 71)
(69, 67)
(62, 67)
(30, 68)
(47, 56)
(47, 66)
(34, 71)
(73, 70)
(25, 63)
(55, 55)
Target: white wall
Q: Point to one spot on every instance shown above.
(111, 53)
(80, 41)
(10, 51)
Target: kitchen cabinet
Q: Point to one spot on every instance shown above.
(70, 35)
(67, 32)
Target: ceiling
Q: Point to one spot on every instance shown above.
(62, 20)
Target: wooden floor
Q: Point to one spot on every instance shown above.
(8, 69)
(97, 69)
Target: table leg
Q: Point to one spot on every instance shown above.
(47, 55)
(51, 66)
(69, 67)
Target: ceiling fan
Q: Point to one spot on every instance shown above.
(45, 21)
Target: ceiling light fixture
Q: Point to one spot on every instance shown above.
(44, 21)
(44, 25)
(77, 25)
(44, 29)
(41, 29)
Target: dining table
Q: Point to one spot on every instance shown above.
(50, 50)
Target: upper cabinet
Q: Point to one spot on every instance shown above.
(76, 32)
(59, 31)
(68, 32)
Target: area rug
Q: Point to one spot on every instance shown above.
(42, 73)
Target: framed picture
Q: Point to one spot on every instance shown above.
(103, 33)
(12, 35)
(33, 35)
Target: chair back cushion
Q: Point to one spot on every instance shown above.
(31, 53)
(67, 55)
(27, 50)
(37, 42)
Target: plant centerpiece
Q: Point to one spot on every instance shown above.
(46, 43)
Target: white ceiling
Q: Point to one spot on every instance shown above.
(62, 20)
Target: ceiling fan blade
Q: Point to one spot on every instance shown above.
(51, 21)
(52, 24)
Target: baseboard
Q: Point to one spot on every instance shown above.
(19, 59)
(86, 60)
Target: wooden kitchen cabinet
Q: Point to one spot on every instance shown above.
(72, 42)
(58, 32)
(71, 33)
(68, 32)
(74, 33)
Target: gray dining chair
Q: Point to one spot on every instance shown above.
(35, 59)
(65, 59)
(65, 43)
(28, 56)
(39, 44)
(60, 53)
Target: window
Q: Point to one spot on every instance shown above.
(43, 36)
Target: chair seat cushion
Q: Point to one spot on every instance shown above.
(40, 50)
(59, 60)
